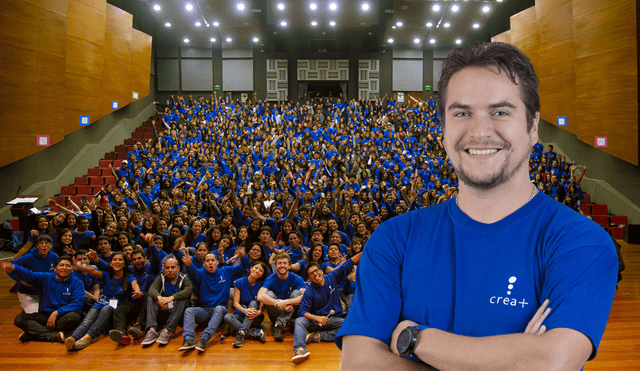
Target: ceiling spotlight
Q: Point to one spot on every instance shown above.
(314, 23)
(446, 25)
(240, 7)
(189, 7)
(416, 40)
(332, 23)
(399, 24)
(486, 9)
(186, 40)
(390, 41)
(228, 39)
(283, 23)
(455, 8)
(213, 39)
(157, 8)
(167, 24)
(216, 24)
(476, 25)
(458, 41)
(333, 6)
(429, 24)
(365, 6)
(255, 39)
(198, 24)
(432, 41)
(499, 1)
(394, 27)
(436, 8)
(313, 6)
(281, 6)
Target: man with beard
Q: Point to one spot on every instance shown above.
(465, 284)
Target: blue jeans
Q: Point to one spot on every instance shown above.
(172, 316)
(280, 315)
(327, 332)
(212, 316)
(233, 320)
(93, 322)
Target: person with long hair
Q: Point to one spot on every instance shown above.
(42, 227)
(64, 244)
(315, 254)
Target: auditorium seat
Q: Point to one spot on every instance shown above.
(81, 180)
(617, 232)
(587, 198)
(96, 180)
(104, 164)
(94, 171)
(599, 209)
(129, 141)
(84, 190)
(109, 180)
(67, 191)
(117, 163)
(619, 220)
(110, 156)
(586, 209)
(601, 219)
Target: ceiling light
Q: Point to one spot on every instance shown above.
(167, 24)
(436, 8)
(365, 6)
(216, 24)
(399, 24)
(499, 1)
(228, 39)
(394, 27)
(213, 39)
(314, 23)
(332, 23)
(189, 7)
(157, 8)
(390, 41)
(458, 41)
(432, 41)
(416, 40)
(476, 25)
(333, 6)
(486, 9)
(313, 6)
(446, 25)
(186, 40)
(455, 8)
(255, 39)
(281, 6)
(198, 24)
(283, 23)
(240, 6)
(429, 24)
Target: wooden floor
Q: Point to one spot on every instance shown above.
(619, 350)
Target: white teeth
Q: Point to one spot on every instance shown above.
(482, 151)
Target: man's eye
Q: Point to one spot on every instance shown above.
(501, 113)
(460, 114)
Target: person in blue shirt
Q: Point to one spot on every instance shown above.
(500, 277)
(320, 311)
(61, 296)
(281, 293)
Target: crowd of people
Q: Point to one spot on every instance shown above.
(265, 205)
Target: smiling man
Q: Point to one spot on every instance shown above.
(465, 284)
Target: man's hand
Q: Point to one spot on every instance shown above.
(322, 320)
(535, 326)
(164, 300)
(51, 322)
(252, 313)
(137, 294)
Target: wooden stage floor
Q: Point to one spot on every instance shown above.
(619, 350)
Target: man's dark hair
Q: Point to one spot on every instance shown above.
(506, 58)
(43, 237)
(312, 264)
(104, 237)
(138, 251)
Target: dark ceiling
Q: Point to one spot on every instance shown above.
(410, 23)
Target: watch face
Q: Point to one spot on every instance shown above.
(404, 340)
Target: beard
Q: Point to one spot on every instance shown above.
(490, 181)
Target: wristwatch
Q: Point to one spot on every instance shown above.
(407, 341)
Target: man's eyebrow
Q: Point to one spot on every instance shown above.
(455, 105)
(502, 104)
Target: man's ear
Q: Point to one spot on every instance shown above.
(533, 133)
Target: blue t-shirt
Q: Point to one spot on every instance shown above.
(248, 293)
(438, 267)
(284, 288)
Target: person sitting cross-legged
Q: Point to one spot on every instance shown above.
(168, 298)
(320, 311)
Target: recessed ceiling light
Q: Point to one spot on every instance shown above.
(333, 6)
(281, 6)
(332, 23)
(486, 9)
(476, 25)
(432, 41)
(228, 39)
(216, 24)
(240, 6)
(189, 7)
(458, 41)
(283, 23)
(416, 40)
(314, 23)
(213, 39)
(157, 8)
(390, 41)
(455, 8)
(198, 24)
(446, 25)
(255, 39)
(186, 40)
(436, 8)
(399, 24)
(429, 24)
(499, 1)
(365, 6)
(313, 6)
(167, 24)
(394, 27)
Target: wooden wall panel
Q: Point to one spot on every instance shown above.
(585, 7)
(86, 22)
(612, 28)
(557, 98)
(504, 37)
(555, 25)
(117, 58)
(556, 59)
(32, 65)
(524, 33)
(140, 72)
(614, 71)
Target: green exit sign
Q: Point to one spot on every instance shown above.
(216, 88)
(427, 88)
